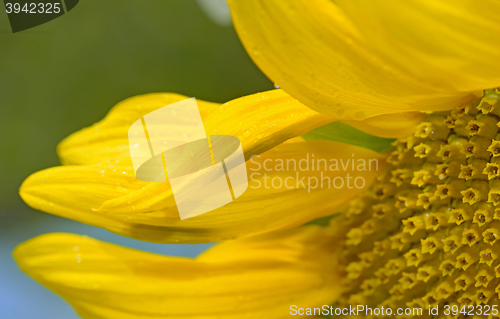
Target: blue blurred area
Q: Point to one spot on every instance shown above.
(66, 74)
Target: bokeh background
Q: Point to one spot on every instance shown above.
(66, 74)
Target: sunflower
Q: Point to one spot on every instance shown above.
(423, 233)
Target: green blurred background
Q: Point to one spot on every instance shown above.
(66, 74)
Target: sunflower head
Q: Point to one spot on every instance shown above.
(427, 232)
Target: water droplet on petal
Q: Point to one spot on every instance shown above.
(359, 116)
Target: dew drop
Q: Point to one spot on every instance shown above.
(359, 116)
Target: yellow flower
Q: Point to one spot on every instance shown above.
(429, 238)
(102, 190)
(425, 232)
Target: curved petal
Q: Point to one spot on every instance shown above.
(108, 138)
(261, 121)
(283, 182)
(358, 59)
(253, 278)
(390, 125)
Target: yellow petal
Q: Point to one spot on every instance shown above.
(391, 125)
(108, 138)
(276, 197)
(261, 121)
(254, 278)
(76, 192)
(358, 59)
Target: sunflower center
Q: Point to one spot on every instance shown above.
(427, 233)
